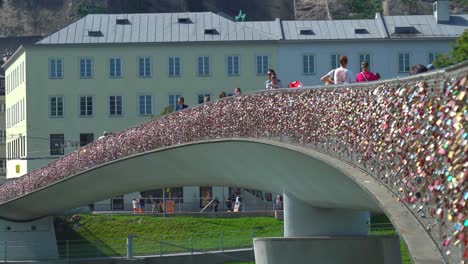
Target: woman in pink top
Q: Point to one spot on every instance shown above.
(365, 75)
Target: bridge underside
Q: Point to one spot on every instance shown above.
(320, 191)
(223, 163)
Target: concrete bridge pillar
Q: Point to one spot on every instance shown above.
(321, 235)
(302, 220)
(31, 240)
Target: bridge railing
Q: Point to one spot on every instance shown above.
(411, 134)
(183, 205)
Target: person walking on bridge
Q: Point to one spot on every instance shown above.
(342, 74)
(142, 204)
(180, 104)
(365, 75)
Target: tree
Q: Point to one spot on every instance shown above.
(459, 53)
(88, 7)
(166, 110)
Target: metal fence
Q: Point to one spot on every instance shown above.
(146, 246)
(180, 205)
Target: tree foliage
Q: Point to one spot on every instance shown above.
(166, 110)
(362, 9)
(459, 53)
(87, 7)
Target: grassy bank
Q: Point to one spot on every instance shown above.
(105, 235)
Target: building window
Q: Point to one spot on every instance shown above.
(433, 56)
(364, 57)
(56, 106)
(57, 142)
(115, 67)
(145, 103)
(203, 66)
(173, 100)
(201, 97)
(174, 66)
(403, 62)
(55, 68)
(2, 165)
(115, 105)
(233, 67)
(86, 138)
(308, 64)
(86, 106)
(334, 61)
(144, 67)
(86, 68)
(262, 65)
(2, 136)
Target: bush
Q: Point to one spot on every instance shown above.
(459, 53)
(87, 7)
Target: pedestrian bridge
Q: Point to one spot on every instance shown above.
(395, 146)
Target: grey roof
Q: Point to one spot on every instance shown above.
(333, 29)
(427, 26)
(161, 27)
(164, 27)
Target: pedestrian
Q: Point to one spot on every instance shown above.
(142, 204)
(327, 79)
(229, 204)
(237, 91)
(215, 204)
(279, 202)
(365, 75)
(274, 83)
(180, 104)
(342, 74)
(154, 204)
(418, 68)
(222, 95)
(104, 134)
(270, 72)
(238, 204)
(135, 205)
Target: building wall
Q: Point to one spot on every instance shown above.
(2, 138)
(383, 54)
(40, 87)
(16, 115)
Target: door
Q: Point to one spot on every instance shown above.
(86, 138)
(205, 195)
(118, 202)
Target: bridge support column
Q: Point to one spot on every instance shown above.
(302, 220)
(33, 240)
(319, 235)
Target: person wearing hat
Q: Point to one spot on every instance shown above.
(365, 75)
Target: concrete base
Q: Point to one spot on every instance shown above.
(328, 250)
(302, 220)
(32, 240)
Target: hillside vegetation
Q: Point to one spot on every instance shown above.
(42, 17)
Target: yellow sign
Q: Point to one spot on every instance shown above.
(18, 169)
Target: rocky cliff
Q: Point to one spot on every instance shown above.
(42, 17)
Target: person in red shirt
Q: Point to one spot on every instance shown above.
(365, 75)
